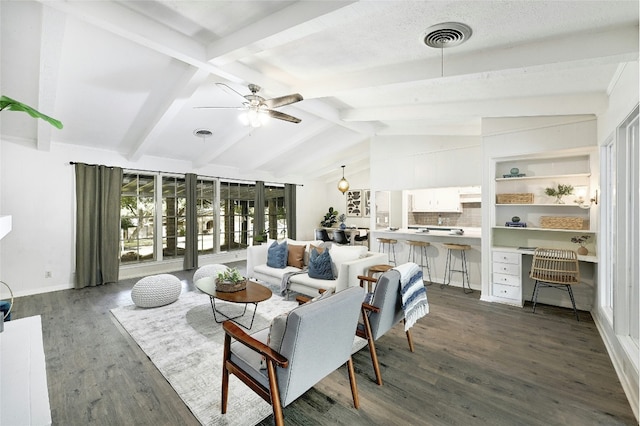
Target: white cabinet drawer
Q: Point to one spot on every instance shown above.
(506, 257)
(506, 268)
(506, 291)
(512, 280)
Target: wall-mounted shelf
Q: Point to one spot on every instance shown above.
(538, 205)
(547, 177)
(515, 228)
(540, 173)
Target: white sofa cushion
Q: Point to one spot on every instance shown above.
(341, 254)
(275, 272)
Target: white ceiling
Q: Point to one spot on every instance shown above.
(126, 75)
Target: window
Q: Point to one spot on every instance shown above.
(153, 212)
(137, 211)
(275, 212)
(236, 211)
(607, 236)
(207, 217)
(174, 204)
(623, 218)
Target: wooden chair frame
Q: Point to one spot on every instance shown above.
(366, 332)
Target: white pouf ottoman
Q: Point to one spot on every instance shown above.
(156, 290)
(208, 271)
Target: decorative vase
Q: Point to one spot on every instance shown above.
(559, 199)
(582, 250)
(343, 226)
(515, 219)
(515, 171)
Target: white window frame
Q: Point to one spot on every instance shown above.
(625, 222)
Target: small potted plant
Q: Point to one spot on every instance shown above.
(559, 192)
(230, 281)
(329, 218)
(582, 240)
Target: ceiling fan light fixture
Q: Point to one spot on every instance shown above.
(343, 184)
(254, 117)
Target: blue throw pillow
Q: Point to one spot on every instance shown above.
(320, 265)
(277, 255)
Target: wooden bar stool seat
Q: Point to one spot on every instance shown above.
(376, 269)
(419, 249)
(450, 265)
(390, 245)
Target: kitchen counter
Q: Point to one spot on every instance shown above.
(436, 252)
(435, 233)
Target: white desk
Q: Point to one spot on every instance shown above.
(24, 397)
(510, 282)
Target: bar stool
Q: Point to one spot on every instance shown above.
(450, 265)
(391, 247)
(419, 248)
(376, 269)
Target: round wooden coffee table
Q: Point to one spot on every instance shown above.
(254, 293)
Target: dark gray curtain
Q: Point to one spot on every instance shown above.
(191, 237)
(258, 210)
(290, 207)
(98, 190)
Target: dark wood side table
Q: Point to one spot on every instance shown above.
(254, 293)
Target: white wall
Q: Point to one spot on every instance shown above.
(338, 200)
(410, 162)
(37, 188)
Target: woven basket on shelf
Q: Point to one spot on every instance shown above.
(229, 287)
(561, 222)
(523, 198)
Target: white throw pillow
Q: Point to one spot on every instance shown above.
(342, 254)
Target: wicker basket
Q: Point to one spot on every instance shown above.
(561, 222)
(229, 287)
(523, 198)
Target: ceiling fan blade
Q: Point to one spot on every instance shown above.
(283, 100)
(239, 108)
(230, 90)
(282, 116)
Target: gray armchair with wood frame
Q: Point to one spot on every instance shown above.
(305, 345)
(382, 313)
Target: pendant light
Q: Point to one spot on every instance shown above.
(343, 185)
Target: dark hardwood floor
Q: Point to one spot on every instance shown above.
(474, 363)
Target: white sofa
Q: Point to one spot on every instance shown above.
(347, 271)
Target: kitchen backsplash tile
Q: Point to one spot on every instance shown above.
(470, 217)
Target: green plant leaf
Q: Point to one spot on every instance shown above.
(13, 105)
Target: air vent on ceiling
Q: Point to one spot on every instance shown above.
(203, 133)
(446, 34)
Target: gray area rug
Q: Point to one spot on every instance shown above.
(185, 344)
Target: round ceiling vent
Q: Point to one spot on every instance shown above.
(202, 133)
(447, 34)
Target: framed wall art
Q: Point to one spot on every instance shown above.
(358, 203)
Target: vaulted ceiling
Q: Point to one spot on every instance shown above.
(126, 76)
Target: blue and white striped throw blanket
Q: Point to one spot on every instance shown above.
(414, 293)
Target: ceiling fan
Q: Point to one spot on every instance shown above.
(259, 108)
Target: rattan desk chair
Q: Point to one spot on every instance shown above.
(555, 268)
